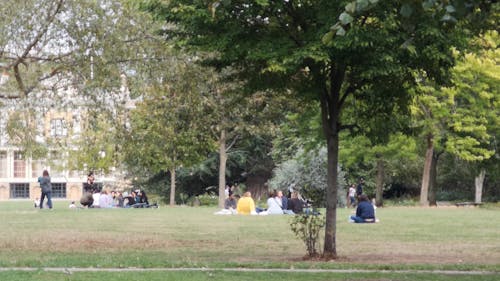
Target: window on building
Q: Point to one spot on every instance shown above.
(58, 128)
(19, 165)
(3, 164)
(59, 190)
(19, 190)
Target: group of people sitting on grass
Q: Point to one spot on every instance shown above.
(115, 199)
(94, 197)
(277, 204)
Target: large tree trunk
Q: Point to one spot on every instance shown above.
(479, 181)
(433, 180)
(380, 182)
(331, 103)
(222, 168)
(426, 176)
(172, 187)
(330, 247)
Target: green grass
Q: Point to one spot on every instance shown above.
(462, 239)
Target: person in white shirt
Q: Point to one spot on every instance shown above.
(97, 197)
(274, 204)
(352, 195)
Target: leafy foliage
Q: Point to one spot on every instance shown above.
(49, 45)
(307, 227)
(306, 173)
(278, 45)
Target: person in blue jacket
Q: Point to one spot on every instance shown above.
(46, 187)
(365, 212)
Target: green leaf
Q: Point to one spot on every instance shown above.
(345, 18)
(406, 10)
(449, 18)
(428, 4)
(351, 7)
(263, 3)
(340, 31)
(328, 37)
(362, 5)
(450, 9)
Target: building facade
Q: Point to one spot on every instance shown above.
(19, 178)
(57, 125)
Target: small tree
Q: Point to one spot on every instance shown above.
(168, 128)
(307, 227)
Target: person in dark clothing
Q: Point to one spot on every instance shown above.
(365, 212)
(230, 202)
(295, 204)
(87, 200)
(89, 185)
(143, 198)
(46, 186)
(284, 199)
(359, 188)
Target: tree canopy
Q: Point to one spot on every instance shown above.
(282, 45)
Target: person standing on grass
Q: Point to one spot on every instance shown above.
(46, 187)
(352, 196)
(359, 188)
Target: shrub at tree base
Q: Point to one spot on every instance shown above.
(307, 228)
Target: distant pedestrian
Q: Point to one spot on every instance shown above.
(352, 196)
(359, 188)
(46, 187)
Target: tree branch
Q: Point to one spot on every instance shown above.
(349, 91)
(21, 59)
(19, 81)
(50, 18)
(233, 142)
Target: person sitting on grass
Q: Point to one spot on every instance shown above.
(230, 205)
(295, 204)
(365, 213)
(274, 204)
(230, 202)
(246, 205)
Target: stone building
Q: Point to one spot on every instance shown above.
(50, 123)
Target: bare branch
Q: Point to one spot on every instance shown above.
(233, 142)
(43, 31)
(19, 80)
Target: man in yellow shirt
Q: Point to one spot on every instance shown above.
(246, 205)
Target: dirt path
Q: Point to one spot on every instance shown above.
(133, 269)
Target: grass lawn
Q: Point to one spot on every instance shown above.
(465, 239)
